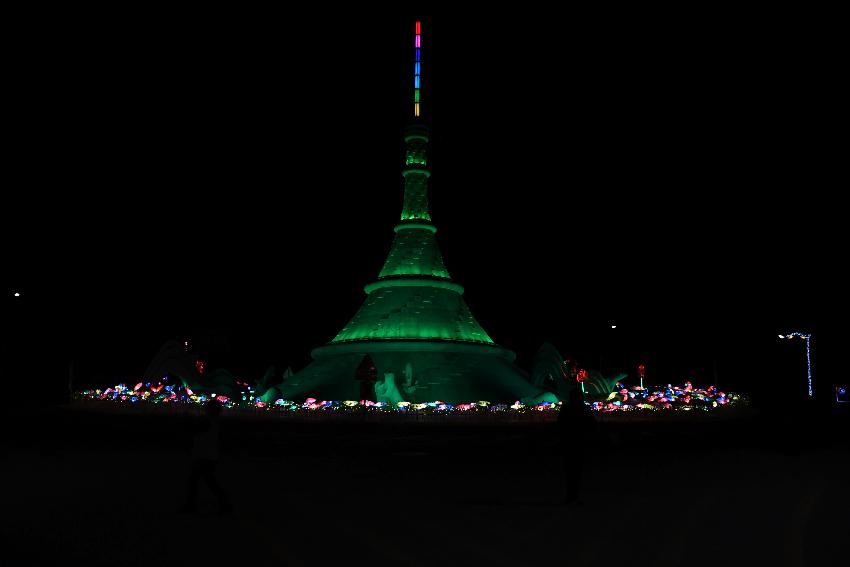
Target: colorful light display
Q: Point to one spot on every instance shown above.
(416, 69)
(636, 398)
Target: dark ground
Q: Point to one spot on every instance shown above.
(93, 488)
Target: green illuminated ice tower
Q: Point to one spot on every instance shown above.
(415, 324)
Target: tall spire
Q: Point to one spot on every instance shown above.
(417, 68)
(415, 251)
(414, 296)
(414, 323)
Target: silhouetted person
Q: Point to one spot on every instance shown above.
(206, 446)
(577, 429)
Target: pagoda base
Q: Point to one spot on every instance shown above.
(423, 371)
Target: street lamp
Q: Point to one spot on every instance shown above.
(808, 338)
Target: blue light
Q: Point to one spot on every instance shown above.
(417, 54)
(416, 82)
(416, 71)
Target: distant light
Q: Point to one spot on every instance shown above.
(808, 338)
(17, 294)
(613, 326)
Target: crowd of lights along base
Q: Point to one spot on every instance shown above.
(422, 341)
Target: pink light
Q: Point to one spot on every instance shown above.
(418, 41)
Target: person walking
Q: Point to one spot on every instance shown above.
(206, 449)
(576, 429)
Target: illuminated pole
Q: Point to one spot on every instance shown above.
(417, 69)
(808, 338)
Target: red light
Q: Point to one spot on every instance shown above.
(417, 28)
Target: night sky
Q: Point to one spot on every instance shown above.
(235, 178)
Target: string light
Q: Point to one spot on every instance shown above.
(808, 338)
(623, 399)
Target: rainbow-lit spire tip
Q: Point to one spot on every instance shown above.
(416, 69)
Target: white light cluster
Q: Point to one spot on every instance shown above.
(808, 338)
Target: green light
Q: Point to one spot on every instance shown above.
(416, 95)
(411, 170)
(414, 160)
(414, 282)
(412, 346)
(414, 225)
(415, 191)
(415, 253)
(421, 311)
